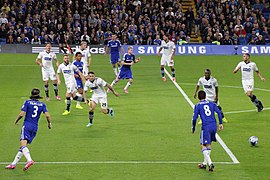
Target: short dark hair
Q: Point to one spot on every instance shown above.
(35, 94)
(201, 95)
(247, 54)
(77, 53)
(91, 72)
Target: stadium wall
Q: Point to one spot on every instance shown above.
(150, 50)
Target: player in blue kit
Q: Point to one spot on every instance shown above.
(31, 109)
(80, 65)
(125, 71)
(206, 110)
(115, 45)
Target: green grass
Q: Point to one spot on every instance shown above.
(152, 123)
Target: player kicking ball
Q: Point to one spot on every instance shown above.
(125, 70)
(31, 110)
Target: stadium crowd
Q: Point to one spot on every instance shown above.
(135, 22)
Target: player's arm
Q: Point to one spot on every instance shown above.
(49, 119)
(174, 50)
(113, 91)
(196, 90)
(128, 64)
(38, 62)
(137, 59)
(236, 69)
(260, 75)
(58, 78)
(21, 114)
(216, 98)
(194, 118)
(218, 111)
(160, 49)
(89, 61)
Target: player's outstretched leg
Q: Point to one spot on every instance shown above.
(222, 114)
(91, 117)
(256, 102)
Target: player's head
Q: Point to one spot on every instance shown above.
(207, 73)
(114, 37)
(35, 94)
(91, 75)
(83, 44)
(78, 56)
(66, 58)
(201, 95)
(246, 57)
(166, 37)
(48, 47)
(130, 49)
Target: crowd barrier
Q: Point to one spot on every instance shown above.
(149, 50)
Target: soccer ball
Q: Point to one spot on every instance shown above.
(253, 140)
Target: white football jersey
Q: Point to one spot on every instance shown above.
(247, 70)
(97, 86)
(68, 72)
(85, 54)
(167, 48)
(209, 87)
(46, 59)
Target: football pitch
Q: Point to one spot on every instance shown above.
(150, 136)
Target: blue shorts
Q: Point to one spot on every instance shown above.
(115, 58)
(28, 133)
(125, 74)
(207, 136)
(79, 83)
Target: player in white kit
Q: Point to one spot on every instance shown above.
(247, 68)
(44, 60)
(169, 50)
(210, 87)
(86, 57)
(99, 95)
(68, 69)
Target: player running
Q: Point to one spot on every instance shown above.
(86, 57)
(125, 71)
(32, 110)
(67, 70)
(99, 95)
(247, 68)
(206, 110)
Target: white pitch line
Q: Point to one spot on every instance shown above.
(121, 162)
(244, 111)
(221, 142)
(18, 65)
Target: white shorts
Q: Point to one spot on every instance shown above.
(248, 85)
(100, 99)
(48, 74)
(71, 87)
(166, 61)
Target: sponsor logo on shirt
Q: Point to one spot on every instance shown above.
(247, 69)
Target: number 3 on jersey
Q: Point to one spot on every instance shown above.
(207, 110)
(35, 112)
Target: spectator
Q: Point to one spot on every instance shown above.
(85, 37)
(35, 40)
(226, 40)
(3, 19)
(260, 40)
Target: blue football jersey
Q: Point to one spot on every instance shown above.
(206, 110)
(79, 65)
(33, 109)
(127, 58)
(114, 46)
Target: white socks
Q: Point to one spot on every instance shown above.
(26, 153)
(206, 154)
(128, 84)
(17, 157)
(115, 70)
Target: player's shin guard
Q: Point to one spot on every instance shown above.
(162, 72)
(173, 72)
(220, 108)
(46, 87)
(26, 153)
(254, 100)
(78, 98)
(55, 88)
(18, 157)
(68, 103)
(91, 116)
(128, 84)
